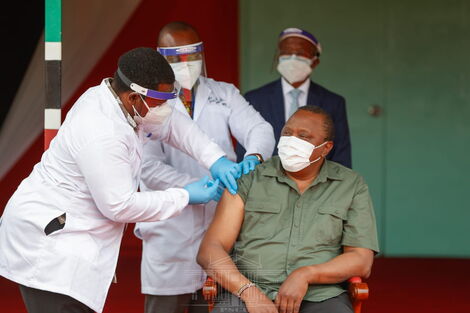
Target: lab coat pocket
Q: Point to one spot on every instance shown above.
(55, 224)
(328, 225)
(74, 240)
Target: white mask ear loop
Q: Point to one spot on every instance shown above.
(148, 108)
(135, 110)
(320, 155)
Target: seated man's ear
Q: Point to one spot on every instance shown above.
(328, 146)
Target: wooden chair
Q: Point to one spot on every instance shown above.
(358, 292)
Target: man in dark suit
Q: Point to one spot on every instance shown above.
(299, 53)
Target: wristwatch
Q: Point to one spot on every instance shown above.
(259, 156)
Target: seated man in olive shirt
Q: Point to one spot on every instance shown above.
(299, 226)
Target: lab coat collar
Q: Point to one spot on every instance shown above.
(119, 114)
(202, 94)
(128, 117)
(112, 100)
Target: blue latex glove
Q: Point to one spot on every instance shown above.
(220, 191)
(227, 172)
(249, 163)
(202, 191)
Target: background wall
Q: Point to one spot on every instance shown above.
(409, 58)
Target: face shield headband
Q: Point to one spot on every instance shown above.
(297, 32)
(181, 50)
(159, 95)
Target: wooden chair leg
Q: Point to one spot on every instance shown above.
(358, 292)
(209, 291)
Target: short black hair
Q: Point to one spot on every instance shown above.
(145, 67)
(328, 124)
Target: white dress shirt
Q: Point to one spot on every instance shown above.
(286, 88)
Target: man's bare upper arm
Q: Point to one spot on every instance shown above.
(227, 222)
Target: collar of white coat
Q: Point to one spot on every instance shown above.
(286, 87)
(120, 110)
(202, 94)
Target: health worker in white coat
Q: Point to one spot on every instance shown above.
(171, 278)
(61, 230)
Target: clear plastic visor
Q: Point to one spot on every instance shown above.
(151, 96)
(188, 53)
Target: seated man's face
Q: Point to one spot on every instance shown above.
(309, 127)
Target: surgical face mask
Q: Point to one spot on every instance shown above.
(154, 116)
(294, 68)
(187, 73)
(295, 153)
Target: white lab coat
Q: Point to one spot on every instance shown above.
(170, 247)
(90, 172)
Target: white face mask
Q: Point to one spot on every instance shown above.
(294, 68)
(295, 153)
(154, 116)
(187, 73)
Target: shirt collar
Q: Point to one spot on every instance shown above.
(286, 87)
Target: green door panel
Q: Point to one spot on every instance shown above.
(428, 132)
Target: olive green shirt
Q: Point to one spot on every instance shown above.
(283, 230)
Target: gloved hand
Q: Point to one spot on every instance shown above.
(249, 163)
(220, 191)
(227, 172)
(202, 191)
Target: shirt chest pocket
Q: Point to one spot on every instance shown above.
(328, 225)
(261, 219)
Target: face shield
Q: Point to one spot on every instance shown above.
(296, 52)
(187, 62)
(152, 97)
(159, 104)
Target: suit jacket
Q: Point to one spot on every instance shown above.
(269, 101)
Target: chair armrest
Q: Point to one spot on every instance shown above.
(358, 292)
(209, 291)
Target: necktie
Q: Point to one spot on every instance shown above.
(186, 98)
(294, 104)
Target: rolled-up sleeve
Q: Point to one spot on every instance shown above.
(244, 185)
(360, 230)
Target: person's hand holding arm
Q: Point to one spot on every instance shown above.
(214, 258)
(226, 172)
